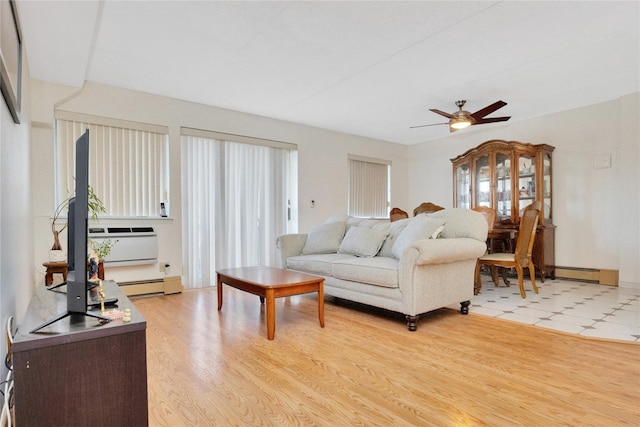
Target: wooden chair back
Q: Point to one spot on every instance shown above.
(427, 207)
(397, 214)
(489, 214)
(527, 234)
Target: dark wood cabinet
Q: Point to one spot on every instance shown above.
(78, 371)
(508, 176)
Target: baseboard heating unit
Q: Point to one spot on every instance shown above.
(167, 285)
(591, 275)
(135, 245)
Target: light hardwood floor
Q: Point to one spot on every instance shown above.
(210, 368)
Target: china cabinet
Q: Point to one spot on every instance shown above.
(508, 176)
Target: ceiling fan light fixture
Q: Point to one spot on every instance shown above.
(460, 123)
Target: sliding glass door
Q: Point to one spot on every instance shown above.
(236, 199)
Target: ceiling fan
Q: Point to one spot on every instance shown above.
(462, 119)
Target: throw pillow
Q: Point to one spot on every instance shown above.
(337, 218)
(420, 227)
(395, 229)
(324, 238)
(362, 241)
(436, 234)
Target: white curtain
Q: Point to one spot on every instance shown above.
(234, 204)
(368, 188)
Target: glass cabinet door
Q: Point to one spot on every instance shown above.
(526, 182)
(483, 181)
(503, 185)
(546, 182)
(463, 186)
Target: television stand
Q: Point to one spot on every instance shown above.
(80, 373)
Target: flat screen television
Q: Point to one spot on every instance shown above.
(77, 239)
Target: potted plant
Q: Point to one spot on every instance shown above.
(102, 249)
(95, 207)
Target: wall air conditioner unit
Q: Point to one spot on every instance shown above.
(135, 246)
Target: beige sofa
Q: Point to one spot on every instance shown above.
(411, 266)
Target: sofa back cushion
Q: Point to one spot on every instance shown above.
(420, 227)
(324, 238)
(362, 241)
(395, 228)
(463, 223)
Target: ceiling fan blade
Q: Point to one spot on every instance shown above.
(442, 113)
(492, 120)
(488, 110)
(433, 124)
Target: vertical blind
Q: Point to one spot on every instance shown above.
(368, 187)
(129, 167)
(235, 200)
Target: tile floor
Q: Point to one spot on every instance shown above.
(581, 308)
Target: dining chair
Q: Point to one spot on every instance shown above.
(521, 258)
(490, 215)
(397, 214)
(427, 207)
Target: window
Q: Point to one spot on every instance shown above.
(369, 187)
(129, 163)
(237, 198)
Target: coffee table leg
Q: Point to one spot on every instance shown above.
(271, 314)
(219, 293)
(321, 303)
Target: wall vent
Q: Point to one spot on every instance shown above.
(135, 245)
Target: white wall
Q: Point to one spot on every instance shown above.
(322, 159)
(596, 211)
(16, 250)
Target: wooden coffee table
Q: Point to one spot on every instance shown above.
(271, 283)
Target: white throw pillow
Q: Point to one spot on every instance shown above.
(324, 238)
(436, 234)
(362, 241)
(395, 228)
(420, 227)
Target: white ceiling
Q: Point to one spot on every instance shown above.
(366, 68)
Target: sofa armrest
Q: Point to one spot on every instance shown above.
(436, 273)
(290, 245)
(443, 251)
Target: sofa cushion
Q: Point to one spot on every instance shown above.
(420, 227)
(324, 238)
(315, 264)
(463, 223)
(395, 228)
(362, 241)
(338, 218)
(379, 271)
